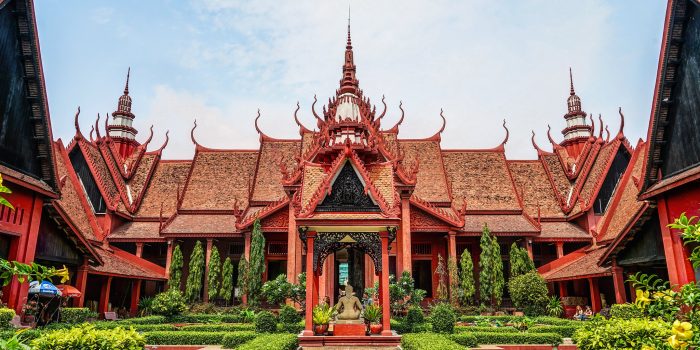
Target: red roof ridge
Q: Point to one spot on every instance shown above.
(447, 216)
(261, 214)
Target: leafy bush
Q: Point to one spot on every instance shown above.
(272, 342)
(184, 338)
(203, 308)
(471, 329)
(626, 311)
(77, 314)
(86, 336)
(197, 318)
(169, 303)
(145, 320)
(554, 307)
(13, 342)
(415, 315)
(276, 291)
(555, 321)
(144, 306)
(25, 336)
(443, 318)
(265, 322)
(564, 331)
(507, 338)
(529, 293)
(6, 316)
(622, 334)
(223, 327)
(430, 341)
(289, 317)
(236, 339)
(321, 314)
(373, 313)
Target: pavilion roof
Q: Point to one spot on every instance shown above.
(579, 264)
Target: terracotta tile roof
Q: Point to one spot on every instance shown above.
(598, 172)
(499, 223)
(538, 196)
(70, 201)
(581, 266)
(313, 178)
(307, 141)
(136, 230)
(137, 183)
(218, 178)
(5, 171)
(201, 223)
(382, 176)
(119, 262)
(268, 177)
(562, 230)
(162, 189)
(482, 178)
(624, 205)
(558, 175)
(391, 142)
(431, 183)
(101, 171)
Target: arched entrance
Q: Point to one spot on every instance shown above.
(319, 245)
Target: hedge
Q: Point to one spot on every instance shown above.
(469, 329)
(112, 325)
(502, 319)
(184, 338)
(272, 342)
(403, 327)
(27, 334)
(506, 338)
(145, 320)
(6, 316)
(77, 314)
(433, 341)
(564, 331)
(544, 320)
(236, 339)
(87, 337)
(222, 327)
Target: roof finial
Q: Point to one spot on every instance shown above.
(349, 41)
(571, 81)
(126, 87)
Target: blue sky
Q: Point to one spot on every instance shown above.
(220, 60)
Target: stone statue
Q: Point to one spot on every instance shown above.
(349, 306)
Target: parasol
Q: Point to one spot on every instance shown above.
(69, 291)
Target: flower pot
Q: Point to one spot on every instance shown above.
(376, 328)
(320, 329)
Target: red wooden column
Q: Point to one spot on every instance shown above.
(309, 324)
(81, 283)
(562, 289)
(618, 283)
(560, 249)
(139, 249)
(528, 246)
(595, 294)
(246, 253)
(169, 257)
(680, 271)
(405, 241)
(292, 237)
(104, 296)
(451, 252)
(386, 314)
(26, 249)
(135, 296)
(207, 258)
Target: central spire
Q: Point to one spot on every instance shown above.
(349, 84)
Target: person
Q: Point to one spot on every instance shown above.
(327, 300)
(367, 300)
(589, 313)
(579, 313)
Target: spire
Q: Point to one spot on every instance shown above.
(349, 84)
(576, 131)
(126, 87)
(124, 104)
(573, 102)
(571, 81)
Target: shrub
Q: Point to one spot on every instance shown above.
(6, 316)
(193, 286)
(256, 264)
(26, 335)
(507, 338)
(429, 341)
(184, 338)
(289, 317)
(197, 318)
(443, 318)
(169, 303)
(529, 293)
(236, 339)
(555, 321)
(77, 314)
(471, 329)
(622, 334)
(554, 307)
(467, 288)
(276, 291)
(86, 336)
(214, 273)
(414, 316)
(227, 281)
(223, 327)
(564, 331)
(626, 311)
(175, 273)
(265, 322)
(272, 342)
(373, 313)
(146, 320)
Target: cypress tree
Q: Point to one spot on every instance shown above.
(498, 280)
(466, 279)
(175, 273)
(214, 273)
(256, 266)
(227, 281)
(242, 277)
(486, 266)
(193, 289)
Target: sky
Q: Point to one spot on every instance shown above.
(218, 61)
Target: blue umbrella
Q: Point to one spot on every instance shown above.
(44, 289)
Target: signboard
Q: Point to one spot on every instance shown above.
(343, 273)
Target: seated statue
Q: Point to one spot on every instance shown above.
(349, 306)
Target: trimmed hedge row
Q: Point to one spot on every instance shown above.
(27, 335)
(272, 342)
(236, 339)
(505, 338)
(471, 329)
(184, 338)
(223, 327)
(145, 320)
(77, 314)
(433, 341)
(545, 320)
(112, 325)
(206, 318)
(564, 331)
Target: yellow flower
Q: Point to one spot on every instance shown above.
(682, 330)
(676, 343)
(666, 296)
(642, 298)
(63, 273)
(648, 347)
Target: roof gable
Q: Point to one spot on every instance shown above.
(347, 193)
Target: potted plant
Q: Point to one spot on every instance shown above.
(373, 314)
(322, 317)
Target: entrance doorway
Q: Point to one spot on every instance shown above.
(350, 268)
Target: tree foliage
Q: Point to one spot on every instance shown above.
(4, 189)
(441, 272)
(454, 280)
(529, 293)
(227, 281)
(256, 266)
(467, 288)
(520, 262)
(176, 264)
(214, 277)
(193, 289)
(491, 269)
(242, 277)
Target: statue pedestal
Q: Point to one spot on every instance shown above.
(349, 328)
